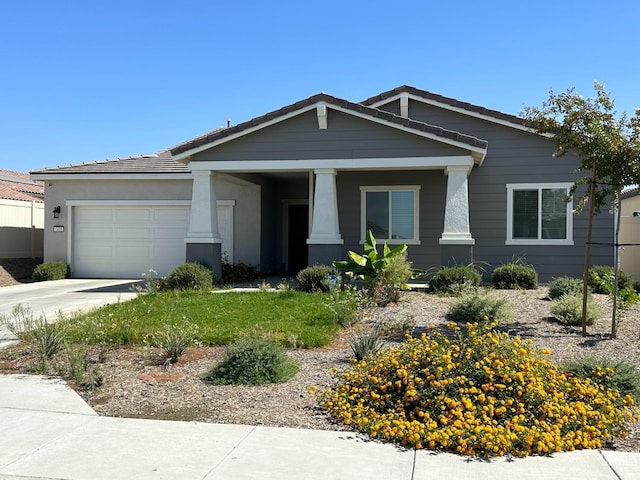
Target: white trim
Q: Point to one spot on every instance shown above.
(400, 163)
(364, 189)
(480, 152)
(112, 176)
(321, 111)
(129, 203)
(538, 241)
(463, 111)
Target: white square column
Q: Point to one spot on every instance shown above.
(203, 241)
(324, 224)
(456, 229)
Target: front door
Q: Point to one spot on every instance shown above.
(297, 233)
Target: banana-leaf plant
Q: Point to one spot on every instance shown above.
(371, 265)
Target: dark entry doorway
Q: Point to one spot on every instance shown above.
(297, 233)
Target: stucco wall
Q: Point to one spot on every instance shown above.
(630, 233)
(246, 210)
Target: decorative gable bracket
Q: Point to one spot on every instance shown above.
(321, 111)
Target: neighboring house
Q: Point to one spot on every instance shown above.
(21, 216)
(301, 185)
(630, 232)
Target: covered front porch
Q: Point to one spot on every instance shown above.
(315, 213)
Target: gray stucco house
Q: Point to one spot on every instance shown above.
(301, 185)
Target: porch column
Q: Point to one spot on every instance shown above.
(457, 243)
(203, 241)
(325, 240)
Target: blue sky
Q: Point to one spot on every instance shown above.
(89, 80)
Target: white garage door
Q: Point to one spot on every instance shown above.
(124, 242)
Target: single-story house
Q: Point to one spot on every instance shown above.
(629, 235)
(21, 216)
(301, 185)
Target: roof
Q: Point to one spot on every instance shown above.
(165, 162)
(18, 186)
(154, 163)
(447, 101)
(374, 113)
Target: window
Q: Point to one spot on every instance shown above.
(391, 213)
(539, 214)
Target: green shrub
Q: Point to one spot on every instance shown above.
(601, 279)
(481, 308)
(175, 339)
(315, 278)
(568, 309)
(515, 275)
(238, 273)
(622, 376)
(190, 276)
(636, 286)
(565, 286)
(253, 361)
(450, 280)
(45, 338)
(346, 305)
(365, 343)
(51, 271)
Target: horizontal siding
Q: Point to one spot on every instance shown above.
(347, 136)
(515, 156)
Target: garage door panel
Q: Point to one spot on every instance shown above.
(126, 241)
(131, 233)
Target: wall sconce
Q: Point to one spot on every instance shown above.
(56, 212)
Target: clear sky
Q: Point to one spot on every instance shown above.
(89, 80)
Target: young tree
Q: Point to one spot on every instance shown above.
(609, 147)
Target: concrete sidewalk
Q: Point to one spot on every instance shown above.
(49, 432)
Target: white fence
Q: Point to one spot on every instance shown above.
(21, 229)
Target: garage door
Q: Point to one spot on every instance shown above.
(124, 242)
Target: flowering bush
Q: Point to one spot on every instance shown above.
(476, 392)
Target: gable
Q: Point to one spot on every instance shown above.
(346, 136)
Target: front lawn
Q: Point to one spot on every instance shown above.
(291, 318)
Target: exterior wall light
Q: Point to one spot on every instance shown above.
(56, 212)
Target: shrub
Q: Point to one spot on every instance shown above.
(238, 273)
(480, 308)
(315, 278)
(601, 279)
(190, 276)
(565, 286)
(568, 309)
(636, 286)
(622, 376)
(346, 305)
(475, 393)
(253, 361)
(366, 343)
(449, 280)
(51, 271)
(175, 339)
(515, 275)
(46, 338)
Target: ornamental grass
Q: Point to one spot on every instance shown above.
(476, 392)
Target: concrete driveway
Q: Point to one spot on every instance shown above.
(61, 296)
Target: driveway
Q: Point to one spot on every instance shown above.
(61, 296)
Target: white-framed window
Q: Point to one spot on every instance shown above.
(539, 214)
(391, 213)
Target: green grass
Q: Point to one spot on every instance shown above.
(293, 319)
